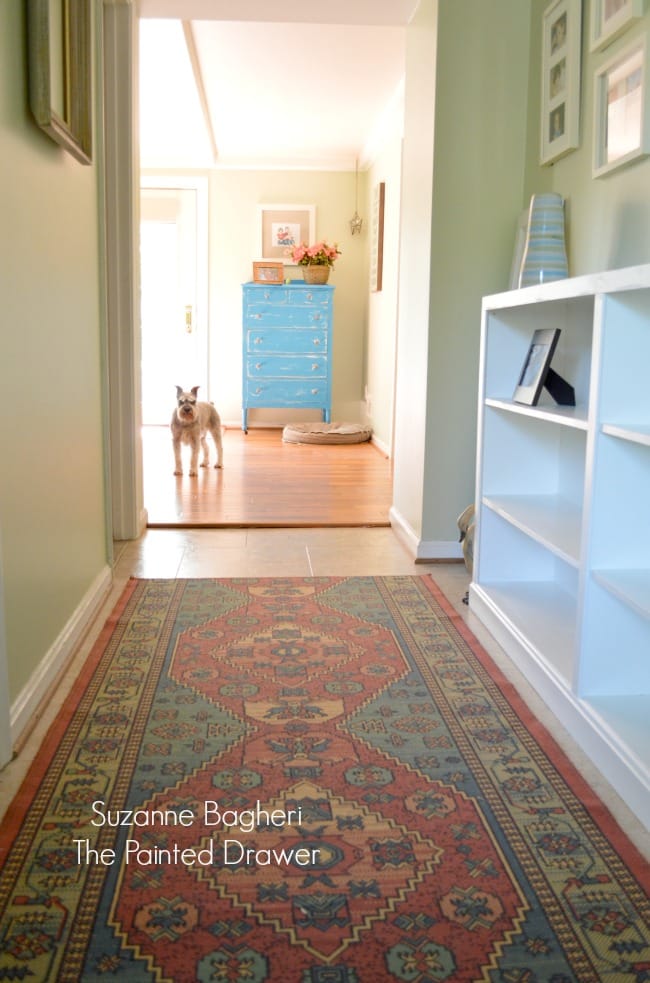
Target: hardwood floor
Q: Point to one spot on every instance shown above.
(266, 482)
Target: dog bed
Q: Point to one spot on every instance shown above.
(326, 433)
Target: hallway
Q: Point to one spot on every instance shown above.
(180, 553)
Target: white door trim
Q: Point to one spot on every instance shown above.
(122, 279)
(6, 749)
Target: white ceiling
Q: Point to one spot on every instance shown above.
(253, 84)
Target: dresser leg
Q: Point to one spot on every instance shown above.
(244, 420)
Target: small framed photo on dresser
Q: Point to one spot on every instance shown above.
(268, 272)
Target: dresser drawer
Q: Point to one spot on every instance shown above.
(265, 298)
(286, 340)
(289, 315)
(311, 297)
(286, 366)
(280, 392)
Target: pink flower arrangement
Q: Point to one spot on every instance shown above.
(320, 254)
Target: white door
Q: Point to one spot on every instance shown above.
(173, 270)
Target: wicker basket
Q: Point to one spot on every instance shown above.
(316, 274)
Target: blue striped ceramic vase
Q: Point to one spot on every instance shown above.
(544, 256)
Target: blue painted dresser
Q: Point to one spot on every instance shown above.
(287, 342)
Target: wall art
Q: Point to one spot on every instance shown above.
(281, 227)
(621, 124)
(560, 116)
(60, 82)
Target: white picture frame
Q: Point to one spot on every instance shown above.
(610, 18)
(560, 106)
(621, 111)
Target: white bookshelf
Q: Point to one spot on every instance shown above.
(562, 549)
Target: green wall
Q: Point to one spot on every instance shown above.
(51, 476)
(478, 185)
(484, 122)
(607, 218)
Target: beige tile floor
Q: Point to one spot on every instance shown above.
(302, 553)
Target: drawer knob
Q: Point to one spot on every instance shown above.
(258, 341)
(317, 341)
(258, 390)
(314, 366)
(258, 366)
(314, 392)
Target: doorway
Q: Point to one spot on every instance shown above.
(174, 309)
(173, 313)
(128, 517)
(264, 482)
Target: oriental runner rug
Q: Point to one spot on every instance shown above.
(316, 780)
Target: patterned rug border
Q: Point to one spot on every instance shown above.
(539, 733)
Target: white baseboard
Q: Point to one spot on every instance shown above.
(438, 549)
(424, 551)
(26, 706)
(380, 445)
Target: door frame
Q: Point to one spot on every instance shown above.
(128, 517)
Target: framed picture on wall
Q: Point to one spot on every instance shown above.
(610, 18)
(281, 227)
(377, 237)
(560, 122)
(59, 60)
(622, 113)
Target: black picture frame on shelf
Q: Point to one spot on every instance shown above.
(536, 366)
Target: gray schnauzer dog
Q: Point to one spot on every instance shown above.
(191, 423)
